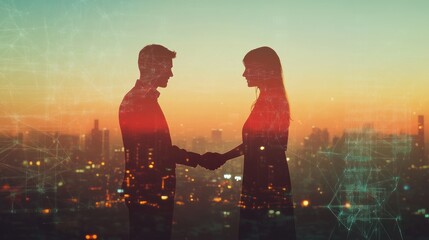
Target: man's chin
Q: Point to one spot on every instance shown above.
(163, 85)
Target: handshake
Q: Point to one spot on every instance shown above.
(211, 160)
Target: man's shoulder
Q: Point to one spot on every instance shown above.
(138, 101)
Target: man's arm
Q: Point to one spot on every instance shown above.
(184, 157)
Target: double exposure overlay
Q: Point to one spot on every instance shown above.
(213, 120)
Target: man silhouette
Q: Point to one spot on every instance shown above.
(150, 158)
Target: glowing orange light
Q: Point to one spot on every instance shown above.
(217, 199)
(262, 148)
(150, 166)
(305, 203)
(143, 202)
(347, 205)
(164, 197)
(46, 211)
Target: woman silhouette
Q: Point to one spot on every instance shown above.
(266, 207)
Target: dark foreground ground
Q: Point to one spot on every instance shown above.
(197, 222)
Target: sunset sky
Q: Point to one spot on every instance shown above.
(65, 63)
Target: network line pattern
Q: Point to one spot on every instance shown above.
(365, 200)
(43, 61)
(32, 174)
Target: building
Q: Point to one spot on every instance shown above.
(98, 144)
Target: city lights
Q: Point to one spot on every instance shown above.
(46, 211)
(86, 185)
(91, 236)
(305, 203)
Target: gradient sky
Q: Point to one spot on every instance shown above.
(65, 63)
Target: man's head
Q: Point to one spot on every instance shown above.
(155, 63)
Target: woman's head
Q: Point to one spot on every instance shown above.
(263, 68)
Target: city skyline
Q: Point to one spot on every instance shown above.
(85, 181)
(99, 143)
(178, 138)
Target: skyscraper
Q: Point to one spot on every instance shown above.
(217, 136)
(98, 144)
(105, 145)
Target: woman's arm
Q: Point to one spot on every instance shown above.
(213, 160)
(233, 153)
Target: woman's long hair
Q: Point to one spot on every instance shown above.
(268, 60)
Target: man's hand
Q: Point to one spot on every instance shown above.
(212, 160)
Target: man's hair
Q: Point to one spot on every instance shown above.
(154, 54)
